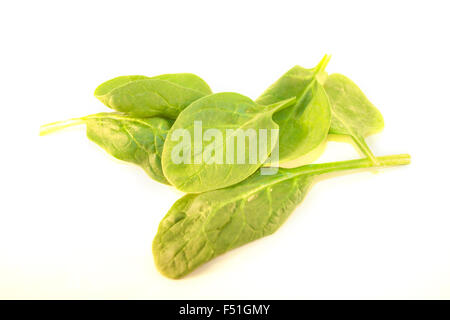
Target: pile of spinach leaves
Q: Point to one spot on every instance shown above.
(228, 204)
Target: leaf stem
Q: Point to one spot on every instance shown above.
(59, 125)
(364, 148)
(386, 161)
(322, 64)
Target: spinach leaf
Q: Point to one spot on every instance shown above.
(131, 139)
(205, 168)
(165, 95)
(187, 80)
(304, 126)
(352, 114)
(106, 87)
(200, 227)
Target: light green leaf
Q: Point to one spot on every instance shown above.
(187, 80)
(106, 87)
(352, 114)
(165, 95)
(223, 112)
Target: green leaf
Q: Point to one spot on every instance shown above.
(136, 140)
(352, 114)
(200, 227)
(165, 95)
(187, 80)
(199, 171)
(304, 126)
(106, 87)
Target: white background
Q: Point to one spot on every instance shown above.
(75, 223)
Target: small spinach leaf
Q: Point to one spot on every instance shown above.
(304, 126)
(228, 114)
(200, 227)
(136, 140)
(165, 95)
(352, 114)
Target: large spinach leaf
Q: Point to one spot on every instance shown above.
(352, 114)
(304, 126)
(131, 139)
(200, 227)
(164, 95)
(208, 167)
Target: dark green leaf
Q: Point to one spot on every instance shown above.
(200, 227)
(136, 140)
(304, 126)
